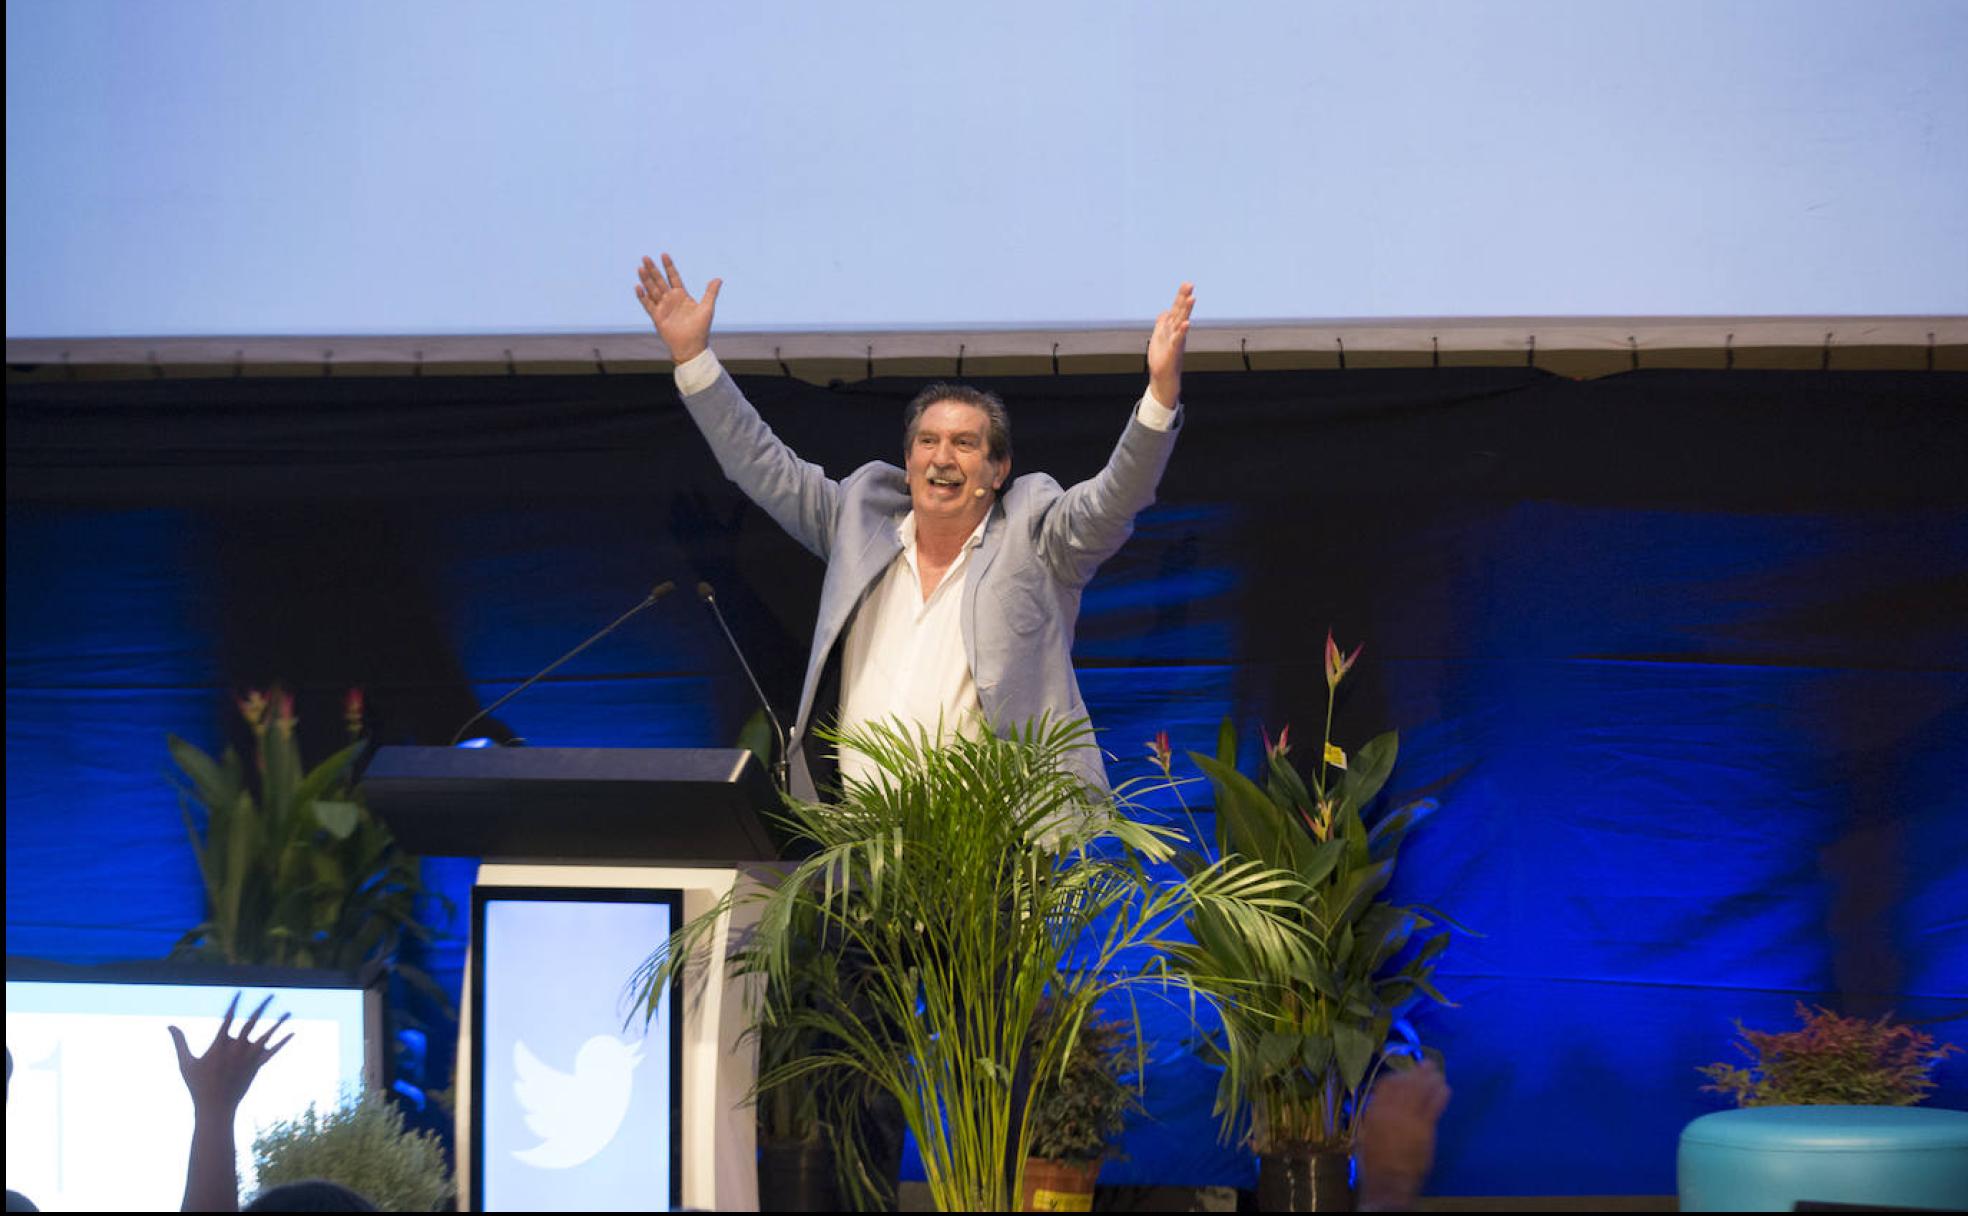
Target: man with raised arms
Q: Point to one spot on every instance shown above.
(952, 590)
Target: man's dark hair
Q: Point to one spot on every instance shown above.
(997, 432)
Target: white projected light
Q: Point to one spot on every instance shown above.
(194, 167)
(98, 1118)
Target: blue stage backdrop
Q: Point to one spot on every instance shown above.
(1684, 656)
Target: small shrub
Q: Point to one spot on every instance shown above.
(1077, 1116)
(363, 1146)
(1832, 1060)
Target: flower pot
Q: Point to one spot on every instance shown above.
(797, 1176)
(1058, 1186)
(1305, 1181)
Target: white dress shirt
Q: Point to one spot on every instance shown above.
(903, 659)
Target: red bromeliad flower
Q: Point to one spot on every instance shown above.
(1336, 665)
(352, 710)
(1160, 752)
(253, 708)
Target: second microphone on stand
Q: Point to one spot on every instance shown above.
(785, 742)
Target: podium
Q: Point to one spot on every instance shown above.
(575, 844)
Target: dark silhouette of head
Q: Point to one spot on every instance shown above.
(313, 1195)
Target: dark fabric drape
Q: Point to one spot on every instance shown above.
(1684, 656)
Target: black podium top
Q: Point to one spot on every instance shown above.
(619, 804)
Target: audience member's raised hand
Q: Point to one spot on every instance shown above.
(217, 1081)
(221, 1077)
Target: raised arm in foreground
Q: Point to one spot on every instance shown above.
(218, 1080)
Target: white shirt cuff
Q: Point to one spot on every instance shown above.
(1151, 413)
(701, 372)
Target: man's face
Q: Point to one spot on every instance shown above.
(948, 464)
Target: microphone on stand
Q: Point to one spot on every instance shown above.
(658, 592)
(709, 597)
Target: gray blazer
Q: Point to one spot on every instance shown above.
(1021, 596)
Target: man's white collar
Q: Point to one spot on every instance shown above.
(906, 532)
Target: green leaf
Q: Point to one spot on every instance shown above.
(1346, 901)
(207, 875)
(1355, 1049)
(758, 738)
(1431, 948)
(328, 775)
(1395, 993)
(1278, 1051)
(1386, 836)
(1317, 1053)
(1256, 827)
(1434, 994)
(338, 819)
(1322, 981)
(1319, 863)
(1286, 788)
(1368, 769)
(243, 837)
(1437, 914)
(282, 773)
(1354, 833)
(1226, 743)
(1382, 931)
(217, 785)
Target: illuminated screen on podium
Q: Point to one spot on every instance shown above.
(576, 1105)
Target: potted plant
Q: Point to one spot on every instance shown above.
(1300, 1046)
(975, 869)
(811, 1157)
(296, 870)
(1831, 1060)
(364, 1147)
(1077, 1114)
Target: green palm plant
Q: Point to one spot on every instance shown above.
(971, 881)
(297, 872)
(1301, 1044)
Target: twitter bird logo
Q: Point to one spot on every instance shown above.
(577, 1115)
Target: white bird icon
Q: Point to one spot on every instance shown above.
(577, 1115)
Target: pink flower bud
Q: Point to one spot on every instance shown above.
(1337, 665)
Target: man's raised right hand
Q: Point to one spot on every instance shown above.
(683, 320)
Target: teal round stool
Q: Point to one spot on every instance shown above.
(1768, 1158)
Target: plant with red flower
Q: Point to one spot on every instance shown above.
(1300, 1048)
(297, 871)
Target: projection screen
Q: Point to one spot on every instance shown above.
(220, 176)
